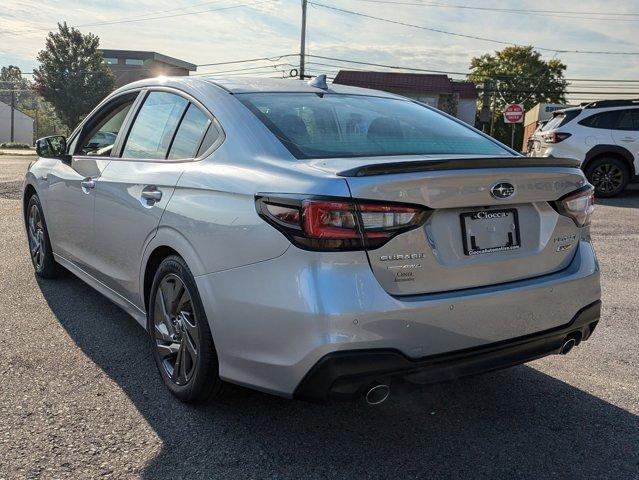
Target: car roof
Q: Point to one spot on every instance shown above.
(235, 85)
(289, 85)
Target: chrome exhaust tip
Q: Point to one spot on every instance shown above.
(377, 394)
(567, 346)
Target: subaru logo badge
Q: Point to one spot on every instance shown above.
(502, 190)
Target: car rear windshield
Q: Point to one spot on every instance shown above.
(560, 118)
(333, 125)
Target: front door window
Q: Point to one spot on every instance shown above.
(99, 134)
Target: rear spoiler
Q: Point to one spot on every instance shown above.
(458, 164)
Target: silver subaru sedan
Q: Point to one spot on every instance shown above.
(314, 241)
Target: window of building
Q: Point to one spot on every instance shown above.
(110, 60)
(134, 61)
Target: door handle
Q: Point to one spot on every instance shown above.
(628, 139)
(152, 194)
(87, 184)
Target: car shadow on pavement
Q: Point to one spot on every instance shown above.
(629, 198)
(517, 423)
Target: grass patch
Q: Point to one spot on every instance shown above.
(15, 146)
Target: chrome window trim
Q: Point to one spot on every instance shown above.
(78, 130)
(134, 111)
(214, 121)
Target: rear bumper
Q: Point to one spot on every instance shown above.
(273, 321)
(346, 375)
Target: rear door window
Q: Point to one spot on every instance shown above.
(155, 125)
(190, 134)
(628, 120)
(607, 120)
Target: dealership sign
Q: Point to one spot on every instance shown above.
(514, 113)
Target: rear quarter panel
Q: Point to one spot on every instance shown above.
(212, 213)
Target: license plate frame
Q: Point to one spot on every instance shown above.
(513, 235)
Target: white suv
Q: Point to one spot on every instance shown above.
(603, 135)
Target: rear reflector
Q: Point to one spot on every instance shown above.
(321, 223)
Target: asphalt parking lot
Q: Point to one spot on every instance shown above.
(80, 396)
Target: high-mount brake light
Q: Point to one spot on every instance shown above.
(578, 205)
(324, 223)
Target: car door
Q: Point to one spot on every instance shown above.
(626, 133)
(71, 192)
(134, 189)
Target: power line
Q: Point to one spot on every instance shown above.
(448, 72)
(580, 92)
(394, 67)
(131, 20)
(337, 66)
(33, 29)
(542, 13)
(252, 74)
(589, 85)
(349, 65)
(181, 14)
(248, 69)
(463, 35)
(270, 59)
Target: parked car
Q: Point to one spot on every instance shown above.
(101, 143)
(603, 136)
(313, 241)
(530, 144)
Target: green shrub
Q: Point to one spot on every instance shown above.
(15, 146)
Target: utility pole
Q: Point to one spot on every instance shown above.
(36, 126)
(484, 113)
(492, 116)
(13, 107)
(303, 40)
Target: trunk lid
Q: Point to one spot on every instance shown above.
(472, 237)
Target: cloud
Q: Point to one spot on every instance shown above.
(273, 28)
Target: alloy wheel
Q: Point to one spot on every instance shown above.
(35, 232)
(175, 330)
(607, 178)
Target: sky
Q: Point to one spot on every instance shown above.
(228, 30)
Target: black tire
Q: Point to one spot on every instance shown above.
(608, 175)
(40, 249)
(184, 328)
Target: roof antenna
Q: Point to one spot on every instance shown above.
(319, 82)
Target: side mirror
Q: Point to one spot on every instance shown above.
(52, 147)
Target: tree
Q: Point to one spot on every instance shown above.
(519, 75)
(11, 79)
(72, 75)
(29, 102)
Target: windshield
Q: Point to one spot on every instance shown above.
(554, 122)
(560, 118)
(330, 125)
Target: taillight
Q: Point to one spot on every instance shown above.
(321, 223)
(578, 205)
(556, 137)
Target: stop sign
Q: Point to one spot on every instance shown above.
(514, 113)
